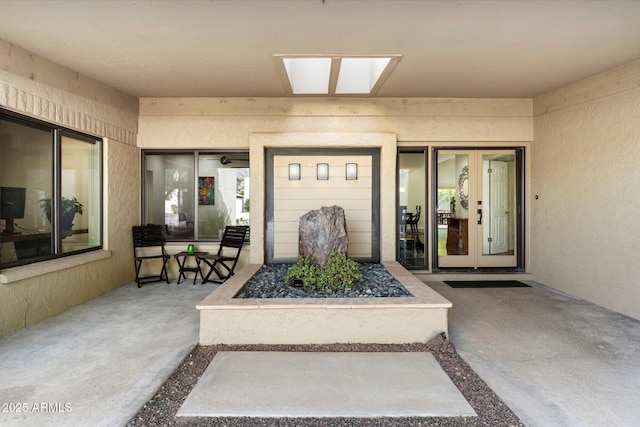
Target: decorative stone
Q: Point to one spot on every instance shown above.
(322, 231)
(441, 344)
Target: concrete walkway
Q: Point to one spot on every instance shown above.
(365, 385)
(556, 360)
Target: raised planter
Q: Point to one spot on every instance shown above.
(227, 320)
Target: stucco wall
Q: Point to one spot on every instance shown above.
(222, 123)
(586, 155)
(39, 88)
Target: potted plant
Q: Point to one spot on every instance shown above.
(69, 209)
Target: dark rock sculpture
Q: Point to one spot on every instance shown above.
(321, 232)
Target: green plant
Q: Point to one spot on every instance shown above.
(306, 271)
(338, 273)
(70, 207)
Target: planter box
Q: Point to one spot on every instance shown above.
(397, 320)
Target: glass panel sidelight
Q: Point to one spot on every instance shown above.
(412, 215)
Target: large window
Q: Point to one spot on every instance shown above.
(50, 191)
(196, 194)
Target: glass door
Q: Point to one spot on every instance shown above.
(453, 208)
(497, 220)
(476, 207)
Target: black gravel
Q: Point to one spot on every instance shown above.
(269, 282)
(492, 411)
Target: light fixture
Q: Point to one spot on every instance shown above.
(351, 171)
(335, 74)
(294, 171)
(323, 171)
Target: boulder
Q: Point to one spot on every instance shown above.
(322, 231)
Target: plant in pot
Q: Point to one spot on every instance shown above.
(69, 209)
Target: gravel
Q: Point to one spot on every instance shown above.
(492, 411)
(269, 282)
(377, 282)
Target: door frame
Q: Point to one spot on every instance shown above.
(520, 210)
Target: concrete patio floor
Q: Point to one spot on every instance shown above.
(555, 360)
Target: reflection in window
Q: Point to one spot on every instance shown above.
(35, 224)
(169, 192)
(80, 189)
(223, 187)
(196, 194)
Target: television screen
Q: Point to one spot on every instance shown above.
(11, 206)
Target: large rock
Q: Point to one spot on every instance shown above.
(322, 231)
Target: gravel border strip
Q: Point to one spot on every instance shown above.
(162, 408)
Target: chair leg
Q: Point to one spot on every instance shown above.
(138, 265)
(211, 270)
(164, 271)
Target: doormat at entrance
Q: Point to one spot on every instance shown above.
(486, 284)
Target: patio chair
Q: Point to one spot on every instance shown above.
(149, 238)
(224, 262)
(413, 219)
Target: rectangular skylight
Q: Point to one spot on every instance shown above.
(359, 75)
(308, 75)
(334, 74)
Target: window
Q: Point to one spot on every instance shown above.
(195, 193)
(50, 191)
(412, 184)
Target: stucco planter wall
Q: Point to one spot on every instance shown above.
(226, 320)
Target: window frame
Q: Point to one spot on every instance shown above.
(197, 153)
(57, 132)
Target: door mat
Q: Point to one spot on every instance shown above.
(486, 284)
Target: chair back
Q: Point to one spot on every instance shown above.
(145, 236)
(233, 237)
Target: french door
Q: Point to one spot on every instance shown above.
(477, 208)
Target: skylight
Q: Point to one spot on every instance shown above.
(332, 74)
(308, 75)
(359, 75)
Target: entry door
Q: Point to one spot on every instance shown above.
(475, 210)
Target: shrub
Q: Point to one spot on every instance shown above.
(338, 273)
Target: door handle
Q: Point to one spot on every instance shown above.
(479, 213)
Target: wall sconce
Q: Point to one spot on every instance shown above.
(323, 171)
(351, 171)
(294, 171)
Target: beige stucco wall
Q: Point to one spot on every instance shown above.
(223, 123)
(586, 170)
(39, 88)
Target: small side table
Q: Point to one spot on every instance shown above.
(181, 258)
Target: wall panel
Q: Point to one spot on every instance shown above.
(293, 199)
